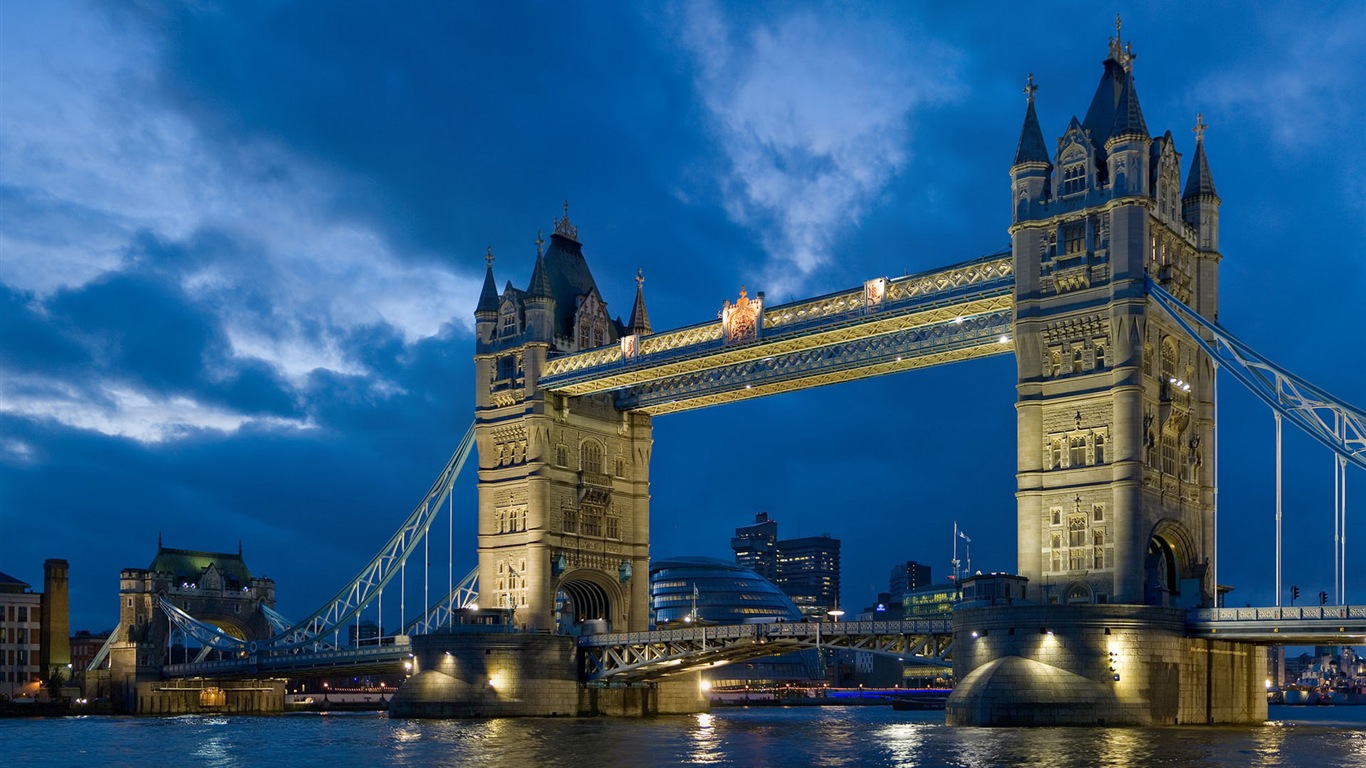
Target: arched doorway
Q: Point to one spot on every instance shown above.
(1077, 593)
(584, 604)
(1169, 561)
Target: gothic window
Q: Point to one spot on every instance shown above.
(1057, 516)
(1057, 457)
(590, 457)
(613, 527)
(1057, 362)
(1169, 359)
(1057, 541)
(571, 520)
(592, 520)
(1076, 359)
(1098, 513)
(1076, 530)
(1077, 559)
(507, 323)
(1057, 560)
(1100, 356)
(1074, 238)
(1168, 453)
(507, 367)
(561, 456)
(621, 468)
(1074, 178)
(1100, 449)
(1077, 453)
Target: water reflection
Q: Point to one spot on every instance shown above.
(705, 743)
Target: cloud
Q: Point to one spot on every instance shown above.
(201, 282)
(814, 116)
(1294, 84)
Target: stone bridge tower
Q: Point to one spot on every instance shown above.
(564, 524)
(1115, 405)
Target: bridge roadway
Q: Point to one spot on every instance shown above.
(634, 656)
(637, 656)
(1282, 625)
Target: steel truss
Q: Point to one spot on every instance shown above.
(352, 598)
(463, 595)
(955, 313)
(635, 656)
(1338, 426)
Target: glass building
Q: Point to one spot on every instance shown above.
(714, 591)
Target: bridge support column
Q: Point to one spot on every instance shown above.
(512, 674)
(1098, 665)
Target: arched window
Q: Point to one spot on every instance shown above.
(1100, 448)
(1100, 356)
(1057, 454)
(1169, 360)
(590, 457)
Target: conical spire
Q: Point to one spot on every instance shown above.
(1199, 182)
(640, 319)
(1031, 148)
(1129, 121)
(540, 281)
(488, 298)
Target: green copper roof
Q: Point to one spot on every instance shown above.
(188, 565)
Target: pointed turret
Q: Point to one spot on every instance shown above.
(640, 319)
(1129, 121)
(1129, 146)
(1029, 174)
(488, 298)
(540, 298)
(486, 313)
(1199, 202)
(1199, 182)
(1031, 148)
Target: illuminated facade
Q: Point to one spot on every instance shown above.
(34, 631)
(1115, 405)
(563, 481)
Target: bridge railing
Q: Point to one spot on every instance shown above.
(1280, 613)
(794, 629)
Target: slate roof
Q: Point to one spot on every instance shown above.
(569, 278)
(1031, 148)
(10, 584)
(1199, 182)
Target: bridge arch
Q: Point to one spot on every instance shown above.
(1170, 558)
(583, 596)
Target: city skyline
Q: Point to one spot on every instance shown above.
(243, 247)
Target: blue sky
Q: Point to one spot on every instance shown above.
(241, 245)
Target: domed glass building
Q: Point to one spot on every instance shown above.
(716, 592)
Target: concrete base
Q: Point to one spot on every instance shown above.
(467, 674)
(194, 697)
(1098, 665)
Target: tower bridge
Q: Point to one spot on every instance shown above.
(1106, 298)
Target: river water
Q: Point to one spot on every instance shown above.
(1321, 737)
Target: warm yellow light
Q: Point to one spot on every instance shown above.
(705, 685)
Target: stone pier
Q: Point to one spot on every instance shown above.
(476, 674)
(1098, 665)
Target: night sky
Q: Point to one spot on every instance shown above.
(241, 245)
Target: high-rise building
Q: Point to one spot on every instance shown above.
(907, 577)
(809, 572)
(756, 546)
